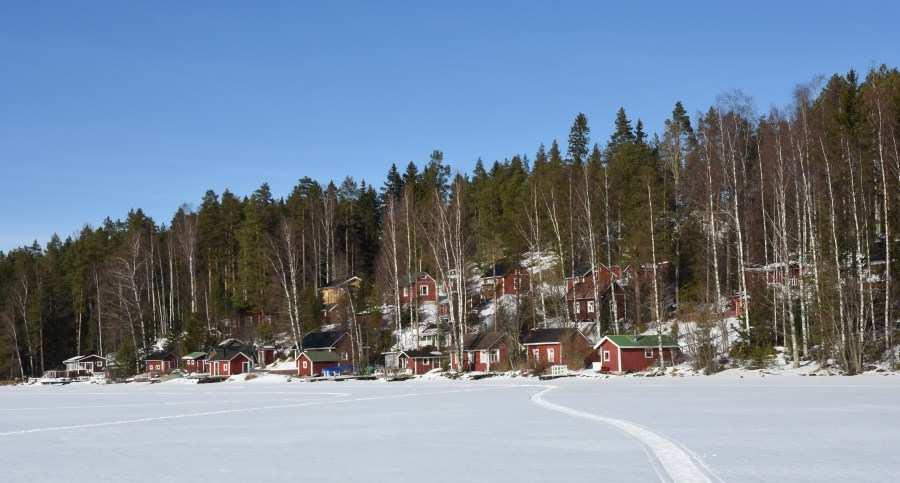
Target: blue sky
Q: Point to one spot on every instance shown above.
(110, 106)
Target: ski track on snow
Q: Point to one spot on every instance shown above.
(678, 463)
(226, 411)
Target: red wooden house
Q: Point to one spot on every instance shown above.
(195, 363)
(419, 288)
(626, 353)
(420, 361)
(313, 363)
(230, 357)
(504, 278)
(484, 352)
(548, 347)
(325, 352)
(580, 291)
(160, 362)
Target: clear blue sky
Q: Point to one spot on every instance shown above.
(109, 106)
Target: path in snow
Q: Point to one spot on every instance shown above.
(232, 411)
(678, 464)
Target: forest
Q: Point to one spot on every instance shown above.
(794, 213)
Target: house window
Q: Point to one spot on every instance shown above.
(344, 356)
(423, 290)
(304, 364)
(648, 353)
(426, 362)
(536, 355)
(590, 306)
(551, 355)
(406, 291)
(495, 355)
(578, 307)
(606, 356)
(483, 356)
(470, 357)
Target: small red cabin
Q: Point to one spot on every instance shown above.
(162, 362)
(548, 347)
(420, 361)
(230, 357)
(238, 363)
(625, 353)
(266, 354)
(484, 352)
(195, 363)
(313, 363)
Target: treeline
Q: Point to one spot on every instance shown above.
(792, 214)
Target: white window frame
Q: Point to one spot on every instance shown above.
(590, 306)
(406, 291)
(648, 353)
(551, 355)
(578, 307)
(495, 356)
(606, 356)
(423, 290)
(305, 365)
(536, 355)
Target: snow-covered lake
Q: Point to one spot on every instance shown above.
(721, 428)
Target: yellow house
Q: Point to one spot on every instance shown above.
(334, 291)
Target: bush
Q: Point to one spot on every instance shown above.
(751, 351)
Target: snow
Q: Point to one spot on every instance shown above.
(539, 261)
(736, 426)
(687, 330)
(283, 365)
(508, 302)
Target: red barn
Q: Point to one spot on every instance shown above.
(230, 357)
(626, 353)
(484, 352)
(312, 363)
(548, 347)
(419, 287)
(195, 363)
(160, 362)
(420, 361)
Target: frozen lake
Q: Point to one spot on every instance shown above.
(720, 428)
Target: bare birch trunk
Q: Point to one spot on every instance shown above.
(662, 360)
